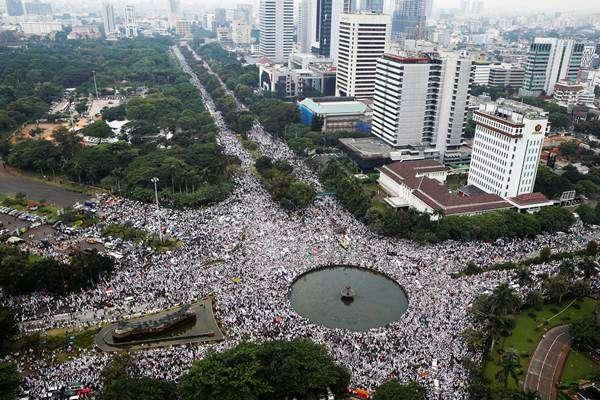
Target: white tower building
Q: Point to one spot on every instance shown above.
(363, 38)
(131, 29)
(108, 15)
(307, 25)
(507, 147)
(276, 29)
(421, 100)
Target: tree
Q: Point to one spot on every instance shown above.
(510, 366)
(99, 130)
(233, 374)
(139, 388)
(504, 300)
(8, 325)
(394, 390)
(121, 365)
(556, 288)
(10, 381)
(271, 370)
(586, 335)
(588, 266)
(523, 275)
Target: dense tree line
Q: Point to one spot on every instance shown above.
(553, 185)
(170, 135)
(274, 370)
(23, 272)
(411, 224)
(278, 179)
(559, 117)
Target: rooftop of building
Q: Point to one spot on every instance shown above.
(530, 199)
(334, 105)
(435, 194)
(511, 111)
(368, 147)
(568, 86)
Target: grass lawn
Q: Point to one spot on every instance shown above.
(579, 366)
(530, 325)
(54, 342)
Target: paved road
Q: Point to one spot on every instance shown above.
(547, 362)
(13, 184)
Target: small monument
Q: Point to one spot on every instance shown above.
(348, 294)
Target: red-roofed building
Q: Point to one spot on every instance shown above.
(420, 185)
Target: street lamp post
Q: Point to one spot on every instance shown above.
(155, 181)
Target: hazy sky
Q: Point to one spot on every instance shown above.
(506, 5)
(552, 5)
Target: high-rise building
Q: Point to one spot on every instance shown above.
(276, 29)
(241, 32)
(220, 16)
(108, 15)
(307, 20)
(14, 8)
(507, 146)
(337, 9)
(174, 13)
(243, 12)
(363, 38)
(551, 60)
(324, 19)
(421, 100)
(408, 19)
(37, 8)
(131, 29)
(354, 6)
(505, 74)
(183, 28)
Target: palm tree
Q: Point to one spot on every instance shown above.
(504, 300)
(510, 366)
(588, 267)
(523, 275)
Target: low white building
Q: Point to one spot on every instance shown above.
(481, 74)
(566, 93)
(507, 146)
(420, 185)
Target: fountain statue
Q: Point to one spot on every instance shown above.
(348, 294)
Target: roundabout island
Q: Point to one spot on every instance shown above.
(348, 297)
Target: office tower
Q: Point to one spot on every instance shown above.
(276, 29)
(354, 6)
(174, 13)
(183, 29)
(428, 8)
(324, 15)
(14, 8)
(421, 100)
(307, 20)
(241, 32)
(408, 19)
(363, 39)
(243, 12)
(220, 16)
(510, 75)
(37, 8)
(587, 56)
(506, 150)
(130, 25)
(551, 60)
(108, 15)
(337, 9)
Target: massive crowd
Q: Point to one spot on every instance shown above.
(246, 252)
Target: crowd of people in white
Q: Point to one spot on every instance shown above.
(246, 251)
